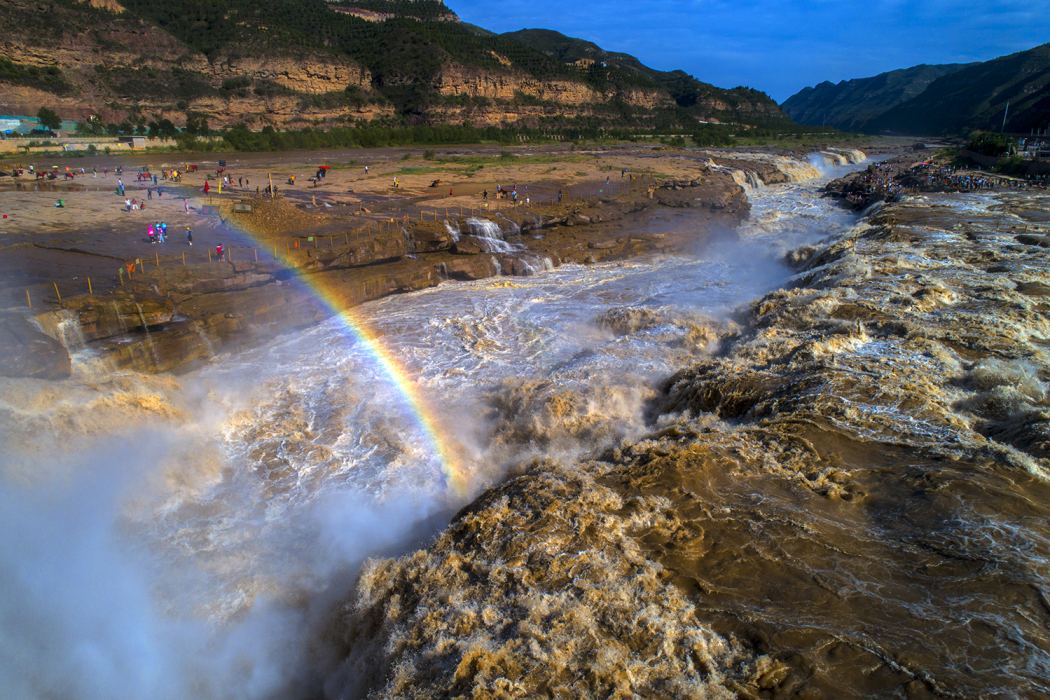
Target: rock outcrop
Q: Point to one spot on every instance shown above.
(171, 317)
(26, 351)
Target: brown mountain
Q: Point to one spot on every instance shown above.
(295, 63)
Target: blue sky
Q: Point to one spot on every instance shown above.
(782, 47)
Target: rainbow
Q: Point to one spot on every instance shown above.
(401, 379)
(455, 476)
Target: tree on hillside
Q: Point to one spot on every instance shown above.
(990, 144)
(48, 119)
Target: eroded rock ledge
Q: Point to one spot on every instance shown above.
(175, 317)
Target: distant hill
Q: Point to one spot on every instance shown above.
(975, 97)
(740, 105)
(943, 100)
(851, 103)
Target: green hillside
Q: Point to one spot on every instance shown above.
(183, 60)
(849, 104)
(975, 97)
(740, 105)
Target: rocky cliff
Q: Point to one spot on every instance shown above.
(295, 62)
(126, 65)
(460, 80)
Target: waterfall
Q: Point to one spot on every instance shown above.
(495, 245)
(64, 326)
(71, 334)
(535, 264)
(490, 236)
(483, 228)
(453, 230)
(852, 156)
(745, 178)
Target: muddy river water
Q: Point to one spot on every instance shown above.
(811, 463)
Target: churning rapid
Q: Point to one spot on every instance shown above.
(811, 462)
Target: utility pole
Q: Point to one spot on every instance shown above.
(1004, 116)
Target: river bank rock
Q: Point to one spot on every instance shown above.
(172, 315)
(430, 236)
(474, 268)
(383, 247)
(717, 191)
(120, 312)
(470, 245)
(26, 351)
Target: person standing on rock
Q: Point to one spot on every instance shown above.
(189, 236)
(205, 187)
(152, 235)
(559, 196)
(220, 252)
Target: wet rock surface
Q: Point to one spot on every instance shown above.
(27, 351)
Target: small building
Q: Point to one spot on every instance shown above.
(134, 141)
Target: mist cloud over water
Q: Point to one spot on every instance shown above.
(78, 617)
(96, 607)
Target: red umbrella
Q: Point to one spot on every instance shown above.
(326, 167)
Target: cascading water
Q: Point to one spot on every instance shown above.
(453, 230)
(490, 237)
(191, 537)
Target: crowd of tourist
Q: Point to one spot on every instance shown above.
(890, 180)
